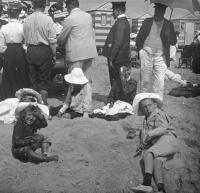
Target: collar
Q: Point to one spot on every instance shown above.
(75, 9)
(122, 15)
(13, 20)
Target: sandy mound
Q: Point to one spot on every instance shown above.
(96, 157)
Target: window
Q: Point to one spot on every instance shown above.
(103, 19)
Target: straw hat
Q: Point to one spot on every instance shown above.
(22, 105)
(76, 77)
(139, 97)
(15, 5)
(25, 91)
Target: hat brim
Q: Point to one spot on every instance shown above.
(72, 80)
(160, 5)
(22, 105)
(139, 97)
(25, 91)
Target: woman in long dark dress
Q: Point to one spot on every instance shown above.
(15, 75)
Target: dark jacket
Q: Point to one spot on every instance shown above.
(167, 36)
(117, 45)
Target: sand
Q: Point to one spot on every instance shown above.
(96, 157)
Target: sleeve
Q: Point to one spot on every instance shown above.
(161, 125)
(140, 36)
(87, 98)
(65, 32)
(2, 43)
(173, 39)
(67, 101)
(52, 32)
(52, 37)
(175, 77)
(19, 140)
(118, 37)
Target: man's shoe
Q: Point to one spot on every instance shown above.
(142, 188)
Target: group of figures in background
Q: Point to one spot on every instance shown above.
(29, 73)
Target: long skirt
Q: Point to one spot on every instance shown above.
(15, 71)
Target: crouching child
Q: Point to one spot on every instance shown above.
(158, 140)
(79, 97)
(26, 140)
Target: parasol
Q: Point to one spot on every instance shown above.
(190, 5)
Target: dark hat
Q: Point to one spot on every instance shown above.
(14, 5)
(160, 5)
(118, 4)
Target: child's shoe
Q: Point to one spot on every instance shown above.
(142, 188)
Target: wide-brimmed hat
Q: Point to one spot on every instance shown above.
(22, 105)
(76, 77)
(139, 97)
(14, 5)
(25, 91)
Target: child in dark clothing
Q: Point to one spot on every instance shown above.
(25, 140)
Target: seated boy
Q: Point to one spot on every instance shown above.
(157, 140)
(25, 140)
(124, 89)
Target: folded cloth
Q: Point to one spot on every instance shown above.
(118, 107)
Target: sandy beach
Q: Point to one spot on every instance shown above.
(94, 154)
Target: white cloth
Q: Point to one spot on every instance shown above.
(118, 107)
(152, 68)
(175, 77)
(8, 107)
(13, 32)
(78, 36)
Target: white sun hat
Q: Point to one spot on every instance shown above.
(76, 77)
(139, 97)
(25, 91)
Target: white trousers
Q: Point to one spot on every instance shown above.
(152, 73)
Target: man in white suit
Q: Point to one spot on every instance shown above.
(79, 39)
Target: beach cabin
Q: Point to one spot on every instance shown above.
(187, 26)
(102, 22)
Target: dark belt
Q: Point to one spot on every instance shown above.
(14, 44)
(37, 45)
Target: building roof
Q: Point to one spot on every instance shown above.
(144, 16)
(189, 16)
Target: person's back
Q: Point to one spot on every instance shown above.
(37, 28)
(82, 32)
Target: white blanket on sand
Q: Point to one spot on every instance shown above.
(118, 107)
(8, 107)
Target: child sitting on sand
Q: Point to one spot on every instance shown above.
(25, 140)
(78, 100)
(157, 140)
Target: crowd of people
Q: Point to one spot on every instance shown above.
(32, 69)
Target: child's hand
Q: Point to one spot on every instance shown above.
(146, 139)
(59, 115)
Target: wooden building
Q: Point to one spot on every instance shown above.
(187, 26)
(102, 22)
(137, 22)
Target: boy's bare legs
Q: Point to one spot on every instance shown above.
(158, 175)
(148, 162)
(37, 158)
(45, 149)
(148, 171)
